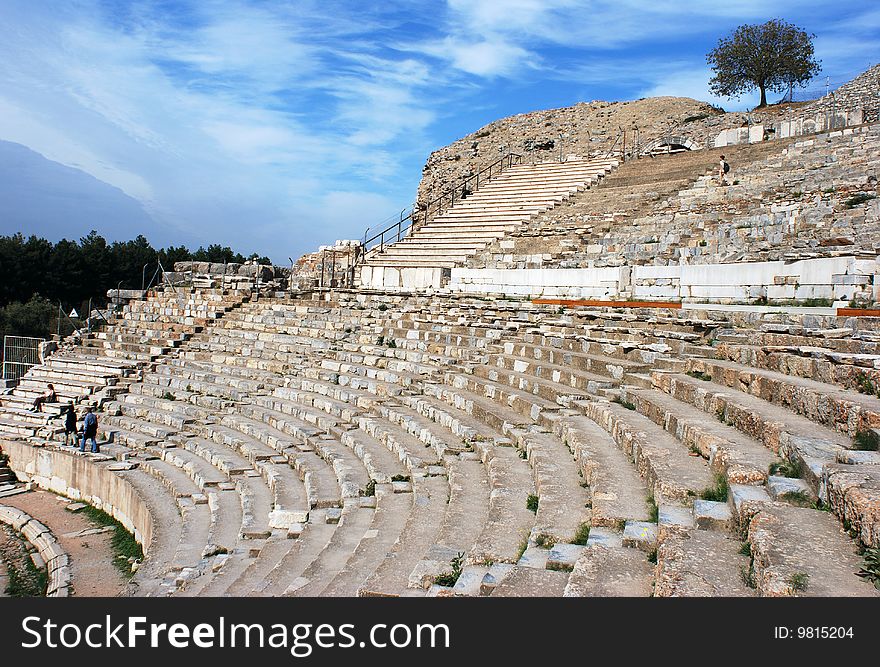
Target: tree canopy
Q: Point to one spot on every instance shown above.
(771, 56)
(35, 274)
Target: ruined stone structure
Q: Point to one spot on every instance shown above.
(707, 425)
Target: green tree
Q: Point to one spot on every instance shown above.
(771, 56)
(34, 318)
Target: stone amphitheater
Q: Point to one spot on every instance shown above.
(605, 375)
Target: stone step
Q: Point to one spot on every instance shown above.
(617, 493)
(670, 473)
(801, 551)
(389, 520)
(353, 527)
(463, 522)
(739, 457)
(532, 582)
(787, 434)
(391, 578)
(607, 571)
(563, 502)
(701, 563)
(845, 411)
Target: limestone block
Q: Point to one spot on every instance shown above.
(562, 557)
(640, 535)
(712, 515)
(782, 488)
(605, 537)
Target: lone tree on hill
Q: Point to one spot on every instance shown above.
(772, 56)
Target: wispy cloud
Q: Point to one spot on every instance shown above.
(305, 122)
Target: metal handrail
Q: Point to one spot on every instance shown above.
(460, 190)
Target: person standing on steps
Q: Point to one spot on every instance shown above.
(70, 426)
(723, 170)
(90, 431)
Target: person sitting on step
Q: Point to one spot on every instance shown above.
(49, 397)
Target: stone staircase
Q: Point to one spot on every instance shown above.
(498, 208)
(94, 368)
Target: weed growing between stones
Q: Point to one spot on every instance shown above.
(523, 545)
(787, 468)
(866, 441)
(718, 491)
(653, 510)
(859, 198)
(652, 557)
(168, 396)
(800, 499)
(400, 478)
(369, 489)
(544, 541)
(871, 568)
(624, 403)
(532, 503)
(126, 551)
(745, 549)
(449, 578)
(582, 534)
(799, 581)
(700, 375)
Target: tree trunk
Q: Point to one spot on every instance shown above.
(763, 102)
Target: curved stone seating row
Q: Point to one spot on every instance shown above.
(51, 553)
(387, 444)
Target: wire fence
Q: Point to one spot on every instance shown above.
(20, 354)
(818, 87)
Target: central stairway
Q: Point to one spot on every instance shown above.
(500, 207)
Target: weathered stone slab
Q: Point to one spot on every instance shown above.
(611, 572)
(710, 515)
(604, 537)
(640, 535)
(562, 557)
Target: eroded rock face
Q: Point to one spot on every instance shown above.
(588, 129)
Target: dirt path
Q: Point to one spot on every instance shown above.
(93, 573)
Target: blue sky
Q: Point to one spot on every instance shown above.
(277, 126)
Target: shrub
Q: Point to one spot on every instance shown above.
(866, 441)
(859, 198)
(871, 568)
(624, 403)
(449, 578)
(582, 534)
(798, 581)
(718, 491)
(532, 503)
(787, 468)
(545, 541)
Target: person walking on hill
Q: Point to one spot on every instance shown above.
(723, 170)
(49, 397)
(70, 426)
(90, 431)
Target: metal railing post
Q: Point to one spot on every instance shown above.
(332, 266)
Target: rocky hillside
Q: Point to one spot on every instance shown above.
(585, 129)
